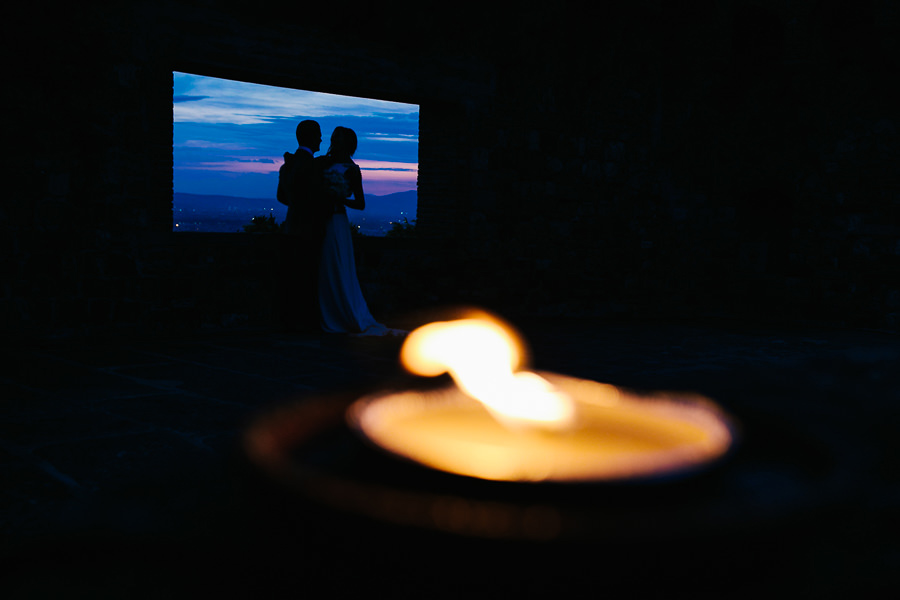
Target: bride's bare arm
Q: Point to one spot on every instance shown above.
(354, 178)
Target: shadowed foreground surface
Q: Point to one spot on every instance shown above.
(123, 475)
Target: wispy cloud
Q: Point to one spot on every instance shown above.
(234, 166)
(187, 98)
(384, 165)
(392, 137)
(380, 170)
(212, 145)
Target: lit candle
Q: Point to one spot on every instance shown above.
(499, 422)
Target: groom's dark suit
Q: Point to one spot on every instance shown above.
(305, 229)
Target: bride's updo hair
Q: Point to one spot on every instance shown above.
(343, 143)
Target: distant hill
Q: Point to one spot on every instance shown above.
(394, 205)
(207, 212)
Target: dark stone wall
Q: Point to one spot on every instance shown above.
(714, 158)
(690, 159)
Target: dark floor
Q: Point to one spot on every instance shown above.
(122, 470)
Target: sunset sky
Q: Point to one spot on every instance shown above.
(230, 136)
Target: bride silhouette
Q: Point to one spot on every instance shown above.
(342, 305)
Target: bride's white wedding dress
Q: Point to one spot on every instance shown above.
(342, 305)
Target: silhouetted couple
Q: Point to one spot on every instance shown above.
(323, 291)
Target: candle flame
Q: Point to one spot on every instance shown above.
(482, 356)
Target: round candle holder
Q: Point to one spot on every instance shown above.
(310, 448)
(416, 482)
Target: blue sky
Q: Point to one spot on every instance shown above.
(230, 136)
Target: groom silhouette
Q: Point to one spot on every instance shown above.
(301, 187)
